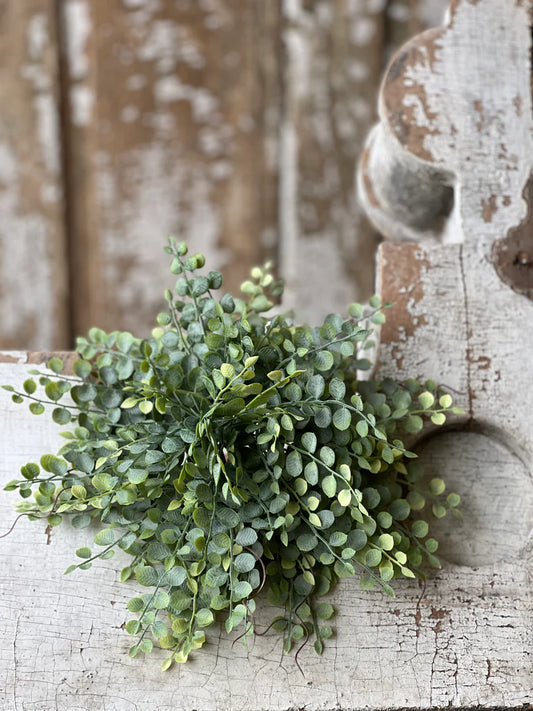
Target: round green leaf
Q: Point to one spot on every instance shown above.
(244, 562)
(414, 424)
(437, 486)
(386, 541)
(426, 400)
(329, 486)
(362, 428)
(323, 360)
(399, 509)
(204, 617)
(309, 441)
(445, 401)
(342, 419)
(104, 537)
(373, 557)
(420, 529)
(307, 542)
(147, 576)
(439, 418)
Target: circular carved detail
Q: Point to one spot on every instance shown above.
(496, 492)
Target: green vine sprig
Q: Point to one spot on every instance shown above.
(231, 452)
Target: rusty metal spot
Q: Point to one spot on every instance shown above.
(513, 255)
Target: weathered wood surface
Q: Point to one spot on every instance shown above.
(464, 639)
(32, 241)
(236, 125)
(450, 162)
(449, 166)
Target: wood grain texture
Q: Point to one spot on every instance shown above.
(236, 125)
(334, 53)
(462, 640)
(173, 109)
(32, 242)
(447, 138)
(449, 166)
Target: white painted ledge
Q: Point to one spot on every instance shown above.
(463, 640)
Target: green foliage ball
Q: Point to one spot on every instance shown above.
(232, 452)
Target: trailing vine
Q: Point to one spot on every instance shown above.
(231, 452)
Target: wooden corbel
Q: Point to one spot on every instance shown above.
(449, 169)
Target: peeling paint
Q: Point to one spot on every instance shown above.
(405, 266)
(362, 31)
(47, 121)
(38, 37)
(167, 43)
(129, 114)
(26, 238)
(157, 203)
(82, 101)
(78, 21)
(490, 208)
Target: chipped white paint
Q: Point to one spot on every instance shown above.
(38, 37)
(24, 242)
(136, 82)
(31, 231)
(503, 518)
(129, 4)
(129, 114)
(79, 24)
(82, 101)
(44, 100)
(295, 81)
(431, 13)
(363, 31)
(457, 113)
(398, 11)
(203, 103)
(476, 124)
(151, 208)
(461, 640)
(168, 43)
(47, 132)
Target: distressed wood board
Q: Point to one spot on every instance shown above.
(236, 125)
(33, 258)
(464, 639)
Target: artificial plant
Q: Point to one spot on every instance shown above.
(231, 452)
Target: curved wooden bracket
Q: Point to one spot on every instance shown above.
(454, 147)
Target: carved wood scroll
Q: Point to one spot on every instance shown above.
(449, 168)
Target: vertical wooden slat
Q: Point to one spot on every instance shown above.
(334, 55)
(172, 130)
(404, 19)
(33, 310)
(177, 118)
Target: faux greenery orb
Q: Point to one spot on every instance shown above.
(232, 452)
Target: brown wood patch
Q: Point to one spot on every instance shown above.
(513, 255)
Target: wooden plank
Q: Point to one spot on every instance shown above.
(32, 243)
(462, 640)
(449, 166)
(172, 130)
(406, 18)
(335, 53)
